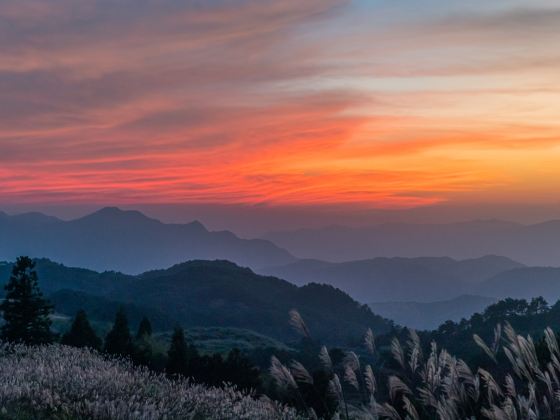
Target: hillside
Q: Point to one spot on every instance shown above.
(537, 244)
(422, 279)
(209, 294)
(430, 315)
(220, 293)
(127, 241)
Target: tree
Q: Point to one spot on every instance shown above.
(143, 352)
(26, 313)
(238, 370)
(81, 334)
(144, 329)
(180, 354)
(118, 341)
(538, 305)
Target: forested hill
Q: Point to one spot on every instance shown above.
(219, 293)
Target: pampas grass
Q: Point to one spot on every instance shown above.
(441, 386)
(60, 382)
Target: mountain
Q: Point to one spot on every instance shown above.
(127, 241)
(423, 279)
(525, 283)
(537, 245)
(430, 315)
(210, 294)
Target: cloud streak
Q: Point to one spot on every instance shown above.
(278, 103)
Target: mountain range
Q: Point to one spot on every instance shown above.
(127, 241)
(402, 288)
(536, 245)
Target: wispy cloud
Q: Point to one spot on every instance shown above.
(246, 101)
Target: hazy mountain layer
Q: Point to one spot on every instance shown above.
(127, 241)
(525, 283)
(397, 279)
(537, 244)
(430, 315)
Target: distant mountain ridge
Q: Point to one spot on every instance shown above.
(430, 315)
(423, 279)
(127, 241)
(537, 244)
(524, 283)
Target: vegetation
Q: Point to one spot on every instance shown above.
(180, 354)
(495, 373)
(527, 317)
(81, 334)
(60, 382)
(25, 311)
(119, 341)
(431, 383)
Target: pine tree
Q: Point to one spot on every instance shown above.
(144, 329)
(81, 334)
(118, 341)
(26, 313)
(180, 354)
(143, 352)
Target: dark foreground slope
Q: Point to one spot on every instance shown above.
(213, 293)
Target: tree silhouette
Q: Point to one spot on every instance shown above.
(240, 371)
(26, 312)
(180, 354)
(144, 329)
(143, 352)
(81, 334)
(118, 341)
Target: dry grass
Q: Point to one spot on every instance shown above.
(440, 386)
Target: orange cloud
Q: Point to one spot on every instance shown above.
(270, 102)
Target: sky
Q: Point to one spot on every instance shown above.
(345, 108)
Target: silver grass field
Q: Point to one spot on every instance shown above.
(62, 382)
(438, 385)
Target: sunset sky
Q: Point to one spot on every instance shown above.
(358, 104)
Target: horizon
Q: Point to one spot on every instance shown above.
(256, 221)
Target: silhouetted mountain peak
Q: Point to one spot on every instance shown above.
(114, 216)
(196, 226)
